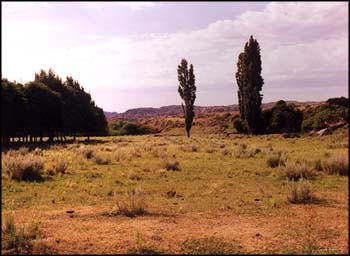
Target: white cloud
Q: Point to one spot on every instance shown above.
(136, 6)
(301, 43)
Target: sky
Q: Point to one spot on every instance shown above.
(126, 53)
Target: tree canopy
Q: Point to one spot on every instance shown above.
(187, 91)
(48, 107)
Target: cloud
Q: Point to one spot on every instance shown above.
(136, 6)
(303, 47)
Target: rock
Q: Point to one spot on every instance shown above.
(324, 132)
(70, 211)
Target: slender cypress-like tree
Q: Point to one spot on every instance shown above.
(187, 91)
(250, 83)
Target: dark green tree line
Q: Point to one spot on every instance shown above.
(187, 91)
(48, 107)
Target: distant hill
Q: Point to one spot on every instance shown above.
(176, 110)
(110, 114)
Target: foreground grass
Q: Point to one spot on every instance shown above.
(196, 193)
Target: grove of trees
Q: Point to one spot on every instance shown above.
(187, 91)
(48, 107)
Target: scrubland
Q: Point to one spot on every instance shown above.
(165, 193)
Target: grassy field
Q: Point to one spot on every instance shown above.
(170, 194)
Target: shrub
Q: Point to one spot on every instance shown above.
(239, 125)
(333, 109)
(296, 171)
(336, 165)
(28, 168)
(18, 241)
(282, 118)
(276, 160)
(172, 165)
(23, 150)
(86, 152)
(101, 159)
(133, 204)
(59, 165)
(128, 128)
(38, 152)
(210, 150)
(225, 152)
(317, 165)
(300, 192)
(243, 151)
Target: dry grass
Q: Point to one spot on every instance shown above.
(132, 204)
(276, 159)
(338, 165)
(209, 245)
(213, 195)
(86, 151)
(58, 166)
(295, 171)
(171, 165)
(16, 240)
(300, 192)
(24, 167)
(101, 159)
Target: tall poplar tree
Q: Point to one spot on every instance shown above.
(250, 83)
(187, 91)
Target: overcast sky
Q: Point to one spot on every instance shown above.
(126, 53)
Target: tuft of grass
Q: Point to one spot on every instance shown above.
(24, 167)
(190, 148)
(210, 150)
(101, 159)
(141, 248)
(23, 151)
(38, 152)
(276, 159)
(58, 166)
(336, 165)
(243, 151)
(300, 192)
(209, 245)
(226, 152)
(132, 204)
(172, 165)
(18, 240)
(86, 152)
(295, 171)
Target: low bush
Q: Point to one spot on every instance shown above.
(295, 171)
(58, 166)
(282, 118)
(240, 126)
(172, 165)
(276, 159)
(129, 128)
(18, 240)
(101, 159)
(336, 165)
(86, 152)
(132, 204)
(190, 148)
(226, 152)
(243, 151)
(300, 192)
(28, 167)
